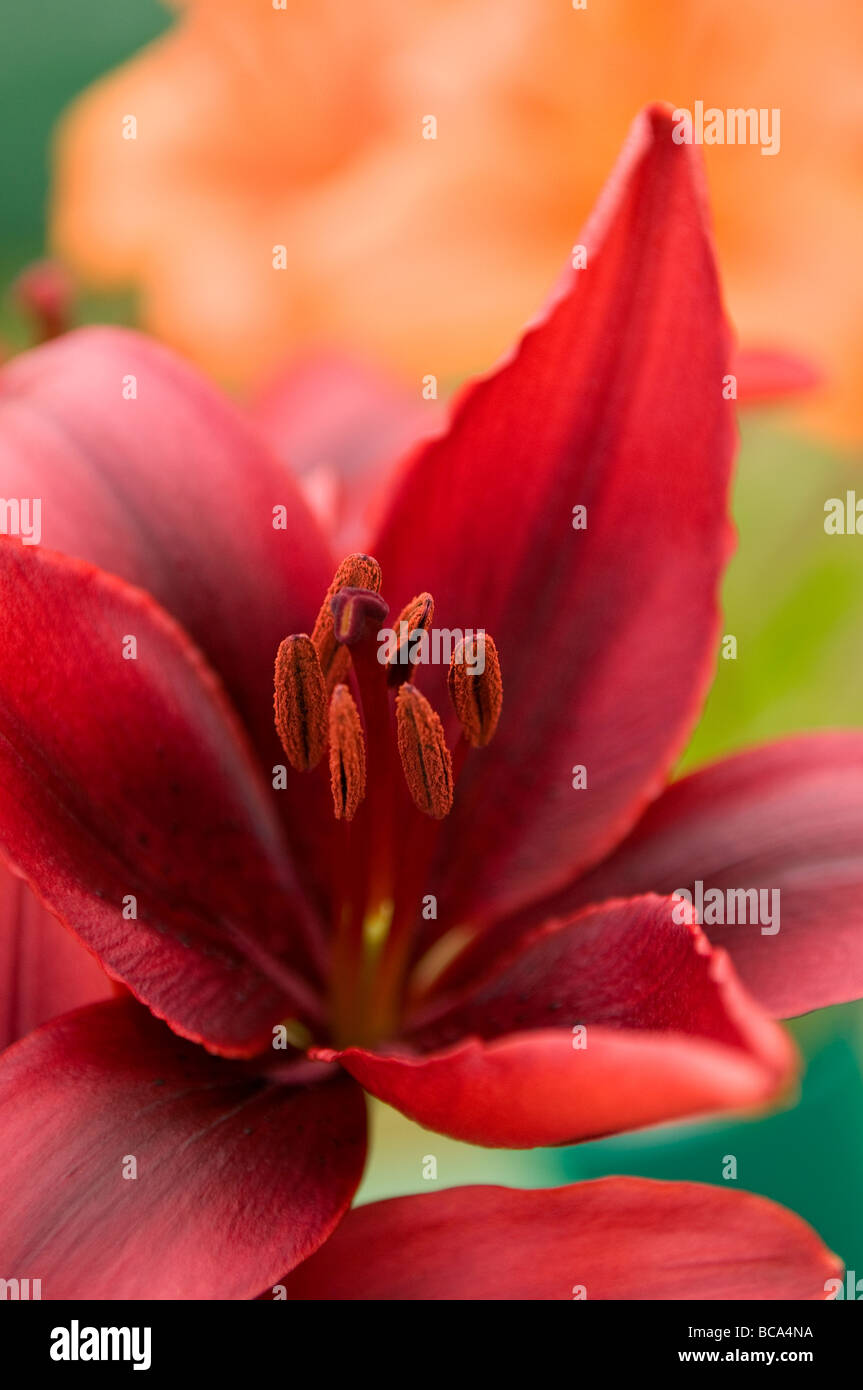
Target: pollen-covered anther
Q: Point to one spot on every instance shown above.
(300, 702)
(475, 687)
(347, 754)
(416, 616)
(425, 757)
(355, 572)
(354, 611)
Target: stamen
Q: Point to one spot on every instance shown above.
(352, 610)
(417, 616)
(355, 572)
(347, 754)
(300, 702)
(477, 695)
(425, 757)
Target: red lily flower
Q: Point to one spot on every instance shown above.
(361, 908)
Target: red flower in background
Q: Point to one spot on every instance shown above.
(144, 785)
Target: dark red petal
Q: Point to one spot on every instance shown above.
(124, 778)
(607, 635)
(44, 970)
(788, 816)
(669, 1033)
(617, 1238)
(341, 428)
(172, 491)
(238, 1177)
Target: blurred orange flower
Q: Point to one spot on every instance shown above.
(258, 127)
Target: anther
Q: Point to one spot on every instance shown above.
(352, 610)
(475, 687)
(300, 702)
(425, 757)
(347, 754)
(355, 572)
(416, 616)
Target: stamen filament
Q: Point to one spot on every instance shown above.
(370, 845)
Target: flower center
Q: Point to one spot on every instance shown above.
(349, 689)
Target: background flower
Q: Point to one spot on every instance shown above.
(430, 254)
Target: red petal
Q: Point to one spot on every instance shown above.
(765, 375)
(130, 777)
(788, 816)
(617, 1238)
(613, 401)
(238, 1176)
(669, 1033)
(174, 492)
(341, 428)
(44, 970)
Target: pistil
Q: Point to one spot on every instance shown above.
(355, 572)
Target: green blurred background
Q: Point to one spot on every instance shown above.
(793, 599)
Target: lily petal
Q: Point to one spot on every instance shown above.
(128, 788)
(44, 970)
(237, 1177)
(172, 490)
(618, 1018)
(616, 1238)
(341, 428)
(613, 402)
(786, 818)
(766, 374)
